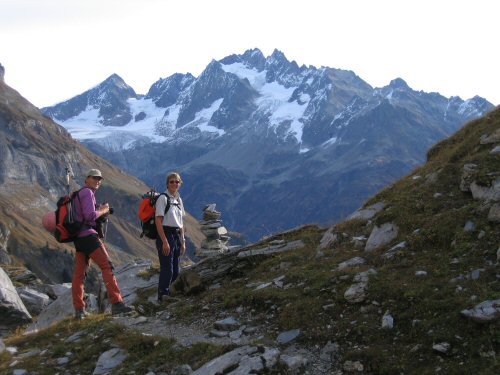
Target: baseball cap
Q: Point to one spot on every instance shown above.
(94, 173)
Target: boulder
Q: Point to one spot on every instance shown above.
(485, 312)
(34, 301)
(490, 138)
(130, 280)
(188, 282)
(109, 360)
(494, 213)
(367, 213)
(487, 193)
(12, 309)
(61, 309)
(328, 239)
(381, 236)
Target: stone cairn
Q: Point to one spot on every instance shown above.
(216, 234)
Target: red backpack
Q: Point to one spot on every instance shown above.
(146, 213)
(67, 227)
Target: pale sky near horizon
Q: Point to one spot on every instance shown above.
(53, 50)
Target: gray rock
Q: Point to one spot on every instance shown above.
(214, 232)
(109, 360)
(60, 309)
(356, 293)
(487, 193)
(228, 324)
(75, 337)
(387, 321)
(188, 282)
(485, 312)
(469, 226)
(494, 213)
(353, 262)
(367, 213)
(391, 253)
(130, 281)
(381, 236)
(353, 366)
(293, 363)
(2, 346)
(442, 347)
(288, 336)
(329, 350)
(62, 361)
(235, 335)
(328, 239)
(219, 334)
(182, 370)
(490, 138)
(34, 301)
(59, 289)
(12, 308)
(475, 274)
(495, 150)
(222, 364)
(294, 245)
(364, 276)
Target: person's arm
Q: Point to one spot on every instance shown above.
(161, 204)
(183, 242)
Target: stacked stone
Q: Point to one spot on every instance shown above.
(216, 234)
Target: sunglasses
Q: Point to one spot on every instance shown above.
(174, 182)
(96, 178)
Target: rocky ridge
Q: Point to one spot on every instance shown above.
(253, 126)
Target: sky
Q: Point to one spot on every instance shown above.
(53, 50)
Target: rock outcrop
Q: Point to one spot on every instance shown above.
(12, 309)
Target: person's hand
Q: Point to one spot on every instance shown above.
(166, 248)
(104, 208)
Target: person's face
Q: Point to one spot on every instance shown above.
(93, 182)
(173, 185)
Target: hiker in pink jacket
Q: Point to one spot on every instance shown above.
(89, 247)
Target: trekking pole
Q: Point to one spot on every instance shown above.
(68, 177)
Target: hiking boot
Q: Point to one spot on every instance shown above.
(81, 314)
(120, 308)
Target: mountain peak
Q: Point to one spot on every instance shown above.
(399, 83)
(278, 57)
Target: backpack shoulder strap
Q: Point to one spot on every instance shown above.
(167, 207)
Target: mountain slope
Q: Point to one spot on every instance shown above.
(254, 133)
(336, 304)
(34, 155)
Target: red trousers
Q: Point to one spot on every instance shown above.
(101, 258)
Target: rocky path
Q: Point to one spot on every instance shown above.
(247, 357)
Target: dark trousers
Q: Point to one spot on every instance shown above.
(169, 264)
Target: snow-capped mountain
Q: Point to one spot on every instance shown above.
(275, 145)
